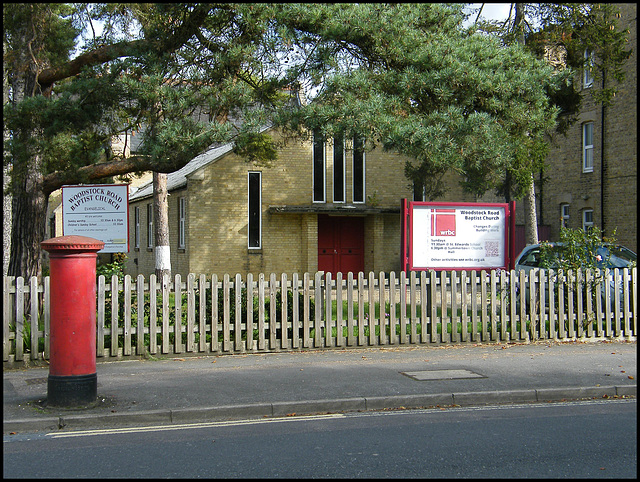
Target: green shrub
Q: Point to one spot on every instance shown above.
(115, 267)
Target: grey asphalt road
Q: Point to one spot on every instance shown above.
(583, 439)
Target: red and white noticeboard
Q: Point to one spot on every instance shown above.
(457, 236)
(99, 211)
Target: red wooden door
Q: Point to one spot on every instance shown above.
(340, 244)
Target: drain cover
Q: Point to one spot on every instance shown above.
(442, 374)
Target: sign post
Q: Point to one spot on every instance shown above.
(99, 211)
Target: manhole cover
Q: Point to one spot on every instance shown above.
(442, 374)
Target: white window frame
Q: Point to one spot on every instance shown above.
(587, 224)
(323, 173)
(587, 148)
(364, 173)
(564, 215)
(249, 203)
(587, 75)
(342, 161)
(182, 223)
(150, 225)
(136, 228)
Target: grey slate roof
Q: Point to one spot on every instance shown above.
(178, 179)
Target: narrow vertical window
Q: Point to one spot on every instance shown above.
(255, 209)
(587, 147)
(564, 215)
(149, 225)
(587, 220)
(338, 169)
(52, 226)
(587, 73)
(136, 228)
(419, 193)
(358, 170)
(318, 168)
(182, 220)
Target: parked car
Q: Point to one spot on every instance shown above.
(607, 256)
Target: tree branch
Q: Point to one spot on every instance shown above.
(94, 57)
(122, 49)
(94, 172)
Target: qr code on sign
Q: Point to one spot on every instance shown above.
(491, 249)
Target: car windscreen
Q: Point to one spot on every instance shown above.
(620, 257)
(614, 257)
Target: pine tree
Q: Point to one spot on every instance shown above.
(63, 111)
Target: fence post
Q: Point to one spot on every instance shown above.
(272, 311)
(126, 350)
(318, 310)
(6, 316)
(249, 322)
(403, 307)
(202, 314)
(295, 316)
(191, 312)
(140, 345)
(306, 323)
(392, 308)
(372, 310)
(463, 306)
(153, 314)
(284, 340)
(350, 325)
(339, 321)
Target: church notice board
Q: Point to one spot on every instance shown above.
(99, 211)
(457, 236)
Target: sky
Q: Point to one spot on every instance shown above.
(492, 11)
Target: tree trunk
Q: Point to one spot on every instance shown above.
(28, 224)
(531, 215)
(161, 226)
(6, 198)
(29, 199)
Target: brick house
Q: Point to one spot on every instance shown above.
(317, 208)
(592, 176)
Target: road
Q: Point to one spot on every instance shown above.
(588, 439)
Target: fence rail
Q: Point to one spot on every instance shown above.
(137, 316)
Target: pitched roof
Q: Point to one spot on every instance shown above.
(178, 179)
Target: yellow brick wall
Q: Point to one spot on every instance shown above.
(141, 260)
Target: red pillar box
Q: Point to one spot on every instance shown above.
(72, 378)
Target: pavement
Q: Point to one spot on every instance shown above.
(192, 389)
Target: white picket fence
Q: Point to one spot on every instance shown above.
(136, 317)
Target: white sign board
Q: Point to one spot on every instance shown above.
(99, 211)
(471, 237)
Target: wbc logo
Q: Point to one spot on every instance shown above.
(443, 222)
